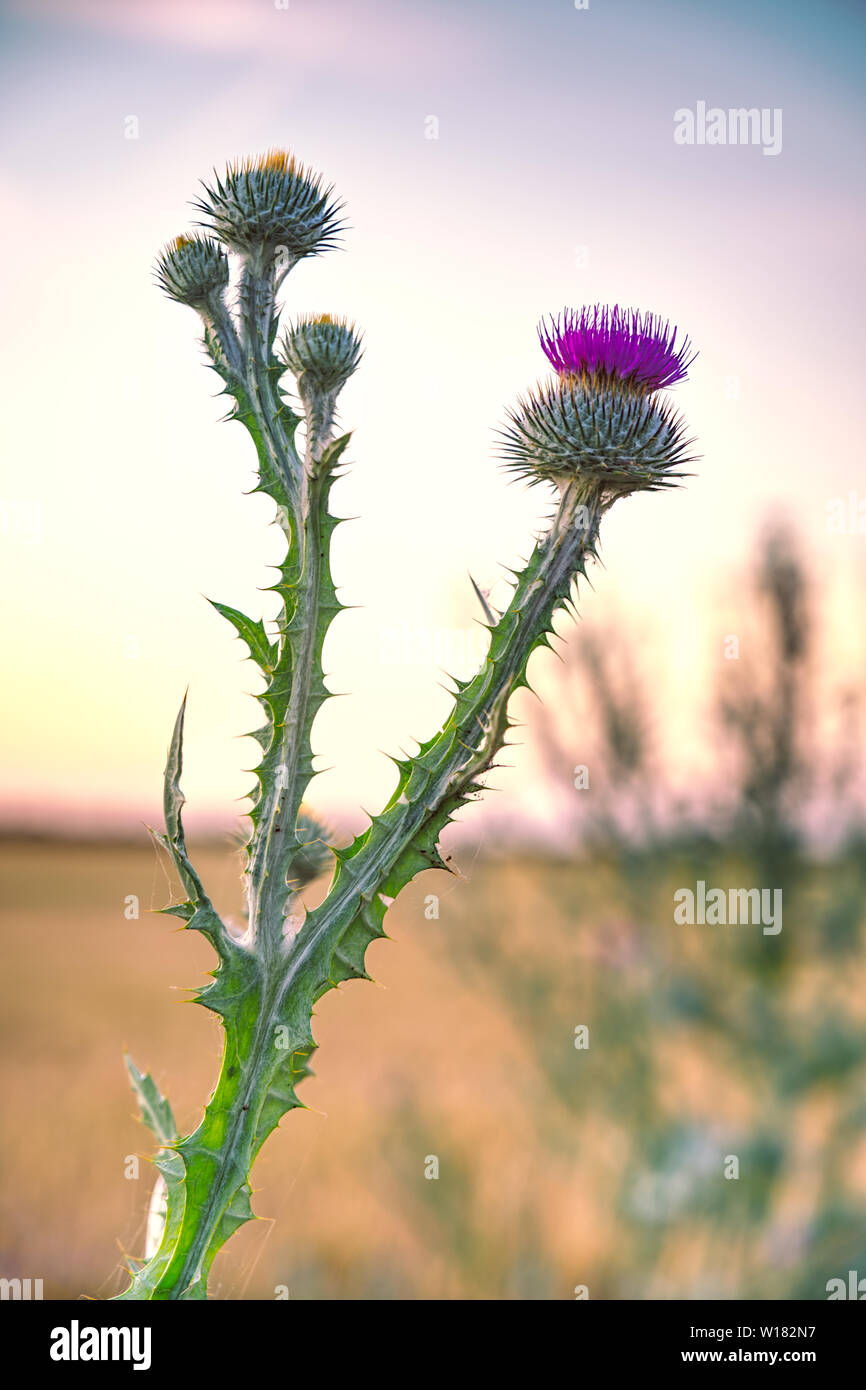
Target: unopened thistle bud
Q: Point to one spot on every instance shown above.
(322, 352)
(599, 421)
(264, 205)
(314, 855)
(192, 269)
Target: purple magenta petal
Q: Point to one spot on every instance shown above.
(637, 347)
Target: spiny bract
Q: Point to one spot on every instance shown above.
(323, 349)
(613, 434)
(192, 268)
(261, 205)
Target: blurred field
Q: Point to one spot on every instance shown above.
(557, 1167)
(709, 1142)
(400, 1063)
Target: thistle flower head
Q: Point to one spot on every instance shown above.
(323, 350)
(270, 202)
(192, 268)
(612, 435)
(598, 421)
(624, 344)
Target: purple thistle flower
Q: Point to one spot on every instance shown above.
(638, 348)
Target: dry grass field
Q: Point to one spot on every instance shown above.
(557, 1166)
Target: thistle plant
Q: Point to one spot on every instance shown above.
(596, 431)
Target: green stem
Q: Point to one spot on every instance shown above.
(290, 756)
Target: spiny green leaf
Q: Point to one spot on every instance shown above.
(155, 1109)
(331, 455)
(262, 650)
(205, 917)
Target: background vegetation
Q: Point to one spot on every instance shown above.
(557, 1166)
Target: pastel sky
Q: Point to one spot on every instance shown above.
(553, 179)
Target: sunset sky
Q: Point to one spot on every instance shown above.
(553, 178)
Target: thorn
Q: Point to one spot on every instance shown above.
(482, 599)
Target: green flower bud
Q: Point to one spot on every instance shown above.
(314, 855)
(191, 269)
(273, 202)
(322, 352)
